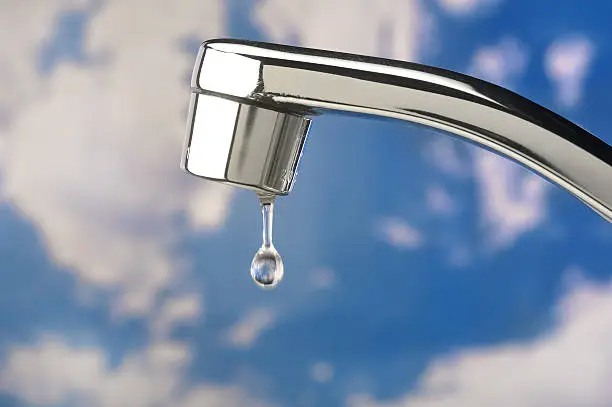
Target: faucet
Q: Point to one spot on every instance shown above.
(252, 103)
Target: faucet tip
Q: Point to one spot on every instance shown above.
(244, 145)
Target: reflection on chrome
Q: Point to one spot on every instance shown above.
(251, 105)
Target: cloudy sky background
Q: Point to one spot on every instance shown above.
(421, 272)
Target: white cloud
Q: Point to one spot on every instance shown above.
(400, 234)
(465, 7)
(393, 28)
(175, 311)
(439, 201)
(567, 63)
(31, 23)
(250, 327)
(52, 372)
(322, 372)
(443, 153)
(513, 200)
(32, 373)
(93, 160)
(569, 366)
(459, 256)
(501, 63)
(323, 278)
(214, 396)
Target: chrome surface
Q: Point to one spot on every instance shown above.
(247, 120)
(244, 145)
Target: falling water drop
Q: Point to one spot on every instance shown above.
(267, 266)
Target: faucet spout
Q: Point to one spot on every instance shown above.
(251, 105)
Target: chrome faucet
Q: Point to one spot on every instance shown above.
(251, 105)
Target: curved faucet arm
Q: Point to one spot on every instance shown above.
(295, 82)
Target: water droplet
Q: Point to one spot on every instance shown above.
(267, 267)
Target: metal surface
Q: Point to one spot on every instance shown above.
(244, 145)
(249, 100)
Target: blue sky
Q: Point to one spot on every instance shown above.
(419, 270)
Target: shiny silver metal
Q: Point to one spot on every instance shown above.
(244, 145)
(250, 100)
